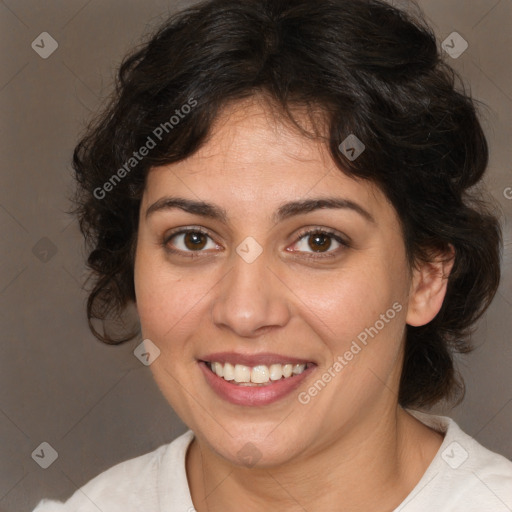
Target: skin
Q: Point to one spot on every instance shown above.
(352, 440)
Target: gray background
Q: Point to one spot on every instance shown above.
(95, 404)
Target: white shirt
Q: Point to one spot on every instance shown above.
(463, 476)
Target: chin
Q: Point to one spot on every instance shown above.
(250, 447)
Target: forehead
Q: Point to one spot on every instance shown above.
(254, 159)
(251, 131)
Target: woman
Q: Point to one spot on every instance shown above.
(281, 188)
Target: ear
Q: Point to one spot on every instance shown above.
(428, 288)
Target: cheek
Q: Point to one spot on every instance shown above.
(167, 302)
(343, 303)
(359, 313)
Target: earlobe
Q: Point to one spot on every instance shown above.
(428, 288)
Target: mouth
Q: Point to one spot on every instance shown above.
(254, 384)
(258, 375)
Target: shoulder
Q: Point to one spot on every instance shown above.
(134, 484)
(464, 475)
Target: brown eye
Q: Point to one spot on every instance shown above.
(321, 242)
(194, 240)
(189, 240)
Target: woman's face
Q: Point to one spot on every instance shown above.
(253, 289)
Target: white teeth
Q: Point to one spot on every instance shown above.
(228, 372)
(298, 369)
(276, 371)
(260, 374)
(287, 370)
(218, 369)
(242, 373)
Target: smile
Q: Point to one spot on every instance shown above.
(259, 375)
(256, 384)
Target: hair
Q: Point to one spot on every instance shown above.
(374, 71)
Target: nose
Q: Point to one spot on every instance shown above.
(250, 299)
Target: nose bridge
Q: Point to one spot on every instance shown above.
(250, 296)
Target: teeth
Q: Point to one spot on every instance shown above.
(276, 371)
(242, 373)
(228, 372)
(218, 369)
(261, 374)
(298, 369)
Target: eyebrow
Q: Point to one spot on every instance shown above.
(284, 211)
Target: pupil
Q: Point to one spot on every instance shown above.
(193, 240)
(320, 242)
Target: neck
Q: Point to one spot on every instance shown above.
(375, 463)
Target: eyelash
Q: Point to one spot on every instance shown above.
(308, 232)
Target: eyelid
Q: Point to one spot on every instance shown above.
(326, 231)
(186, 229)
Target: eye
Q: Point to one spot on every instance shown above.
(189, 241)
(186, 242)
(320, 241)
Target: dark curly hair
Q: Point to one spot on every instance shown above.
(372, 70)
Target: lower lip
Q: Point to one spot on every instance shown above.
(253, 395)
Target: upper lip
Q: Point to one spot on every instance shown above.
(265, 358)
